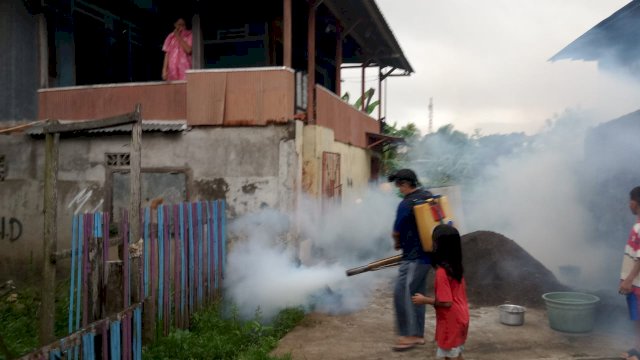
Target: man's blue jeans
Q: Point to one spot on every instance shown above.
(412, 278)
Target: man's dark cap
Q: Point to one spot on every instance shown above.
(406, 175)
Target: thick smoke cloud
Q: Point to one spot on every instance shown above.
(553, 196)
(562, 195)
(268, 271)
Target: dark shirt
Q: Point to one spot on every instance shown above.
(406, 226)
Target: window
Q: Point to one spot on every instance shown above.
(117, 160)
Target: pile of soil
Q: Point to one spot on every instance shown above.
(498, 271)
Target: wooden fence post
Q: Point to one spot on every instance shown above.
(47, 305)
(135, 159)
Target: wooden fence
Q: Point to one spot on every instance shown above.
(175, 269)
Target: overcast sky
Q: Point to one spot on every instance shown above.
(485, 64)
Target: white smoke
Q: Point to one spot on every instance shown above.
(542, 197)
(269, 269)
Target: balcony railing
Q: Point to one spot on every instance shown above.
(160, 101)
(249, 96)
(348, 123)
(225, 97)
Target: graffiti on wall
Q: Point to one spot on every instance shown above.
(81, 199)
(10, 228)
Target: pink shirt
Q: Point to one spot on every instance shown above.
(179, 61)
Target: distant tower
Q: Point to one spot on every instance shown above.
(430, 115)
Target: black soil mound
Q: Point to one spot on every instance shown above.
(499, 271)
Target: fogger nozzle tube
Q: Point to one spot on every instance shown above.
(375, 265)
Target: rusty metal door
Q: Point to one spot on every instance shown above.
(331, 186)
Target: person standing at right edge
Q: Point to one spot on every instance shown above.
(629, 275)
(415, 263)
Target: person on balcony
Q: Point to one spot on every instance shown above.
(177, 52)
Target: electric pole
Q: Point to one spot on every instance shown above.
(430, 115)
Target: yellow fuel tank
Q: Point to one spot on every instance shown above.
(430, 214)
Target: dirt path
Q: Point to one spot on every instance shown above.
(369, 333)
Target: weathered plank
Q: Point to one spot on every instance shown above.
(47, 306)
(91, 124)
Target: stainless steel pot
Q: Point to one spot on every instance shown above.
(511, 314)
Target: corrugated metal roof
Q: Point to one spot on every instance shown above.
(615, 36)
(371, 31)
(147, 126)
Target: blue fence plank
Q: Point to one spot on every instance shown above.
(216, 242)
(115, 340)
(72, 285)
(183, 272)
(160, 260)
(209, 246)
(79, 269)
(191, 269)
(137, 334)
(223, 235)
(147, 224)
(200, 257)
(88, 349)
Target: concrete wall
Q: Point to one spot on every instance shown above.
(249, 167)
(355, 163)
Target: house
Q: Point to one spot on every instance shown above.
(257, 121)
(613, 42)
(612, 147)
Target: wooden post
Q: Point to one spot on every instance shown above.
(197, 50)
(135, 159)
(364, 68)
(287, 40)
(380, 98)
(311, 63)
(48, 289)
(338, 58)
(43, 51)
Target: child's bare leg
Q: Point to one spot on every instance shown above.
(633, 355)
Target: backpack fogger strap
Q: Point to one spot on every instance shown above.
(429, 214)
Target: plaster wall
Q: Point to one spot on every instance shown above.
(355, 163)
(249, 167)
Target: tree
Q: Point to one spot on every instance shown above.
(395, 156)
(369, 106)
(446, 156)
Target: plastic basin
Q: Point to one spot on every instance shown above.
(571, 312)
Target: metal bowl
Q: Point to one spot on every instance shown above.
(512, 314)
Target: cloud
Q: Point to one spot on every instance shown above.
(485, 64)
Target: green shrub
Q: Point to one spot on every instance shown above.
(19, 318)
(215, 336)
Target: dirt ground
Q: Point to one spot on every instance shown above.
(369, 334)
(499, 272)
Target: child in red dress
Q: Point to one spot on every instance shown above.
(450, 301)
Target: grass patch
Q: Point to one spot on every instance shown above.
(215, 336)
(19, 321)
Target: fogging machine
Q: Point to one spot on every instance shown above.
(429, 214)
